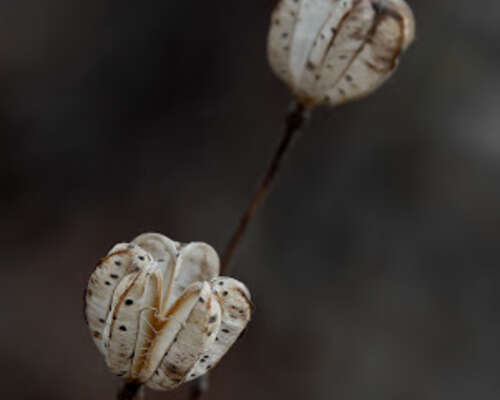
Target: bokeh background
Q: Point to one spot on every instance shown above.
(373, 264)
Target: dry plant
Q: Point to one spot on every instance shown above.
(158, 310)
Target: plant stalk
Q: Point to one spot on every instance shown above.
(294, 121)
(199, 387)
(132, 391)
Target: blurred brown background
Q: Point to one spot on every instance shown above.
(373, 265)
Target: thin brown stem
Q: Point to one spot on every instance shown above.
(199, 387)
(132, 391)
(293, 122)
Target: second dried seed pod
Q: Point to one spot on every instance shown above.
(334, 51)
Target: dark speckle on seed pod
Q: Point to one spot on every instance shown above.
(123, 328)
(107, 283)
(141, 258)
(201, 299)
(129, 302)
(118, 263)
(225, 293)
(114, 276)
(212, 319)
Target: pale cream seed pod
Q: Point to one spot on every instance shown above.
(160, 314)
(335, 51)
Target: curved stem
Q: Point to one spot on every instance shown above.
(294, 121)
(132, 391)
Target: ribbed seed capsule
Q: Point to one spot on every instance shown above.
(334, 51)
(156, 313)
(235, 311)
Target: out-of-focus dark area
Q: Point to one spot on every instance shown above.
(374, 264)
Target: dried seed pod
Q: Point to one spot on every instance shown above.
(236, 309)
(334, 51)
(157, 314)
